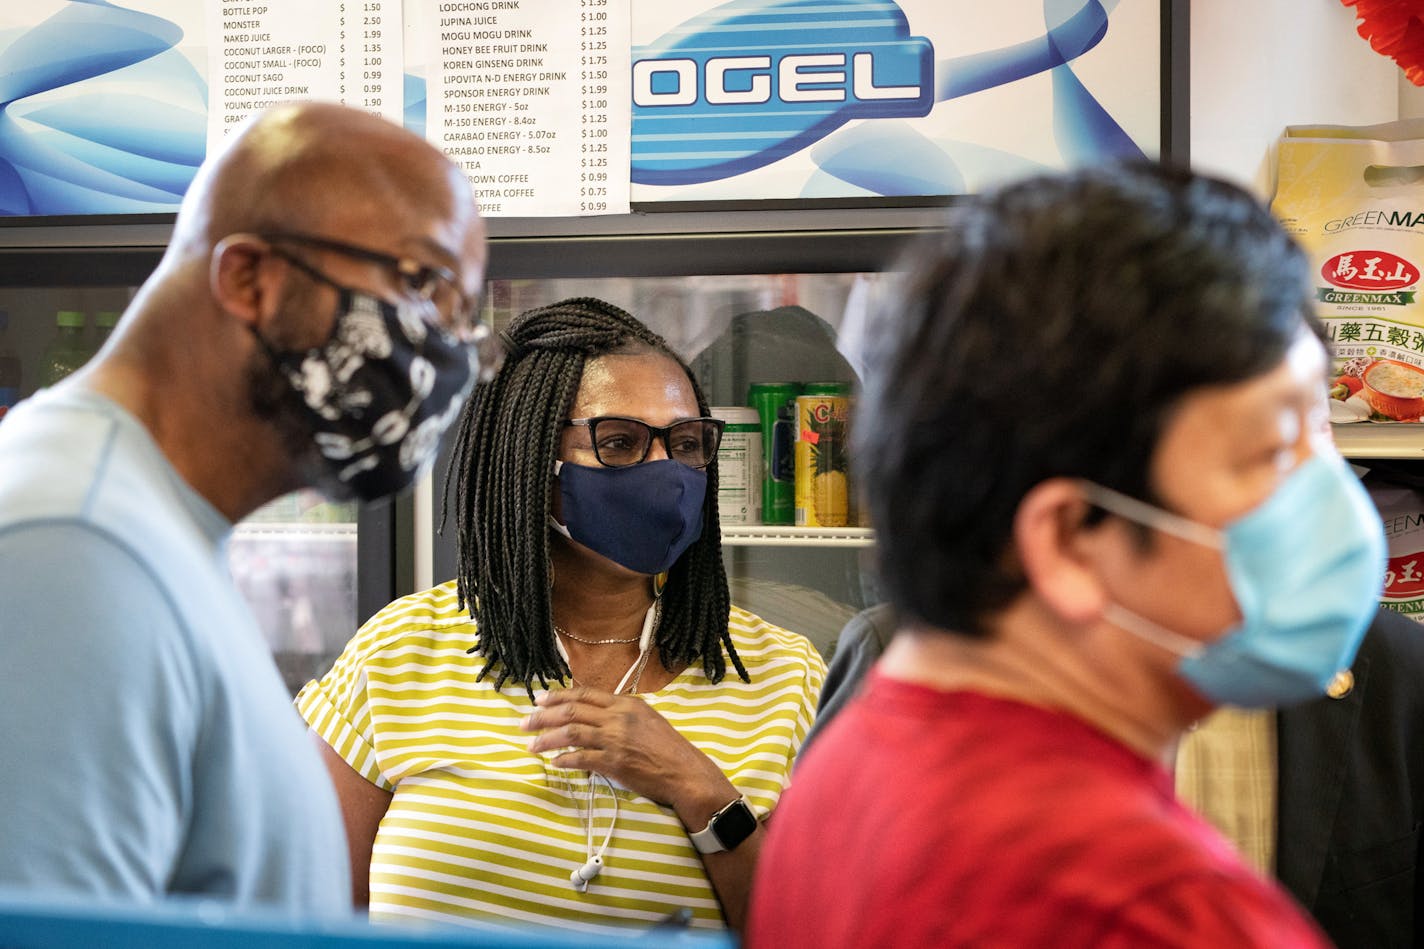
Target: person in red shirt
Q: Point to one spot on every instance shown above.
(1094, 440)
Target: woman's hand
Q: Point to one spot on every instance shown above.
(625, 739)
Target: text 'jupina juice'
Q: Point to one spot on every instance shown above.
(822, 460)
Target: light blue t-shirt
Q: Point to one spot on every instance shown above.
(148, 743)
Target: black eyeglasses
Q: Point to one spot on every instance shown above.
(619, 442)
(431, 283)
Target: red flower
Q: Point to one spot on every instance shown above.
(1395, 28)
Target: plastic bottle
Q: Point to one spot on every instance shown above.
(104, 323)
(739, 466)
(9, 367)
(68, 351)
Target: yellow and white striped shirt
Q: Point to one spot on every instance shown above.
(480, 827)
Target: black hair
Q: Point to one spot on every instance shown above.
(1050, 329)
(503, 466)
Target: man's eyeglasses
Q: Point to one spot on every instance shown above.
(619, 442)
(459, 314)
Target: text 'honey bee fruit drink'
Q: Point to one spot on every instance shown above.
(1351, 197)
(822, 459)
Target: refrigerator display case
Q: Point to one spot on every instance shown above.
(734, 331)
(747, 290)
(744, 297)
(747, 287)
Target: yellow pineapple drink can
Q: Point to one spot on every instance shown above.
(822, 462)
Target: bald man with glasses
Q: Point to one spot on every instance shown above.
(312, 323)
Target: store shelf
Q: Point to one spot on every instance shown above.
(752, 535)
(295, 530)
(765, 535)
(1380, 440)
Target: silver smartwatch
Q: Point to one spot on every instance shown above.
(727, 828)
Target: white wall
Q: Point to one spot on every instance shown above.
(1411, 99)
(1260, 65)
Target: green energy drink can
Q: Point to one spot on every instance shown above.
(775, 403)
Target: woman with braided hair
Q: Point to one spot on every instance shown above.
(578, 730)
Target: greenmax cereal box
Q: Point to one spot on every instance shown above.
(1401, 509)
(1354, 199)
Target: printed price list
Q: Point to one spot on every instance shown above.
(531, 97)
(263, 54)
(596, 123)
(368, 35)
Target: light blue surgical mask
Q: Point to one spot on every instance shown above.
(1306, 567)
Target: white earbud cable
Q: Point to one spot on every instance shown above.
(593, 866)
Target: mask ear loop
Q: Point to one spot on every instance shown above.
(1154, 517)
(1143, 628)
(1150, 515)
(553, 522)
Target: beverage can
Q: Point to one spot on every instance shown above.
(775, 405)
(739, 468)
(822, 463)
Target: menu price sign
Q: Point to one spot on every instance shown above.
(370, 50)
(604, 118)
(530, 98)
(263, 54)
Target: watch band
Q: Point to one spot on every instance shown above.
(727, 828)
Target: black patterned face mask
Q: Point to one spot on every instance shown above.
(379, 393)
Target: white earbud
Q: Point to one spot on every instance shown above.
(650, 627)
(588, 871)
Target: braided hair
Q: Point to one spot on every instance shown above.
(503, 467)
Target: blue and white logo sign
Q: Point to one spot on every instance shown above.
(753, 99)
(100, 111)
(751, 82)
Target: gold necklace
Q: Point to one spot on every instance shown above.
(641, 661)
(592, 642)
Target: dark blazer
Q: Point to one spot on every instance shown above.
(1351, 795)
(860, 643)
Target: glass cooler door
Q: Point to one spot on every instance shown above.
(737, 331)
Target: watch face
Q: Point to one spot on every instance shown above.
(735, 824)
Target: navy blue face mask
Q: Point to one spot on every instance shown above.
(642, 516)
